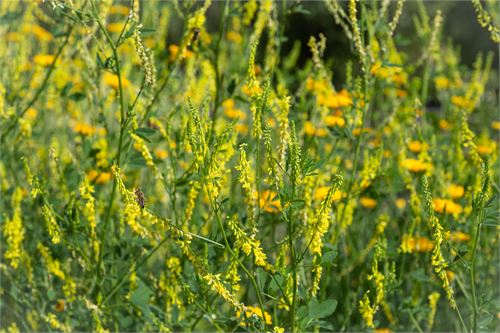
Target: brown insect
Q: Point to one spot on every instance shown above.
(139, 197)
(196, 35)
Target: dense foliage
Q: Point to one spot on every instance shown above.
(157, 175)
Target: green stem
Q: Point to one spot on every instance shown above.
(415, 323)
(120, 139)
(472, 272)
(233, 255)
(292, 260)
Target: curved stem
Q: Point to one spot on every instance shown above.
(233, 255)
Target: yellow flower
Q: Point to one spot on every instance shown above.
(442, 82)
(173, 51)
(455, 191)
(383, 330)
(459, 236)
(400, 203)
(84, 129)
(255, 311)
(119, 9)
(442, 205)
(357, 131)
(496, 125)
(335, 100)
(278, 329)
(234, 37)
(31, 114)
(322, 191)
(334, 121)
(98, 177)
(228, 104)
(414, 165)
(161, 153)
(416, 244)
(444, 125)
(43, 59)
(269, 202)
(241, 128)
(484, 150)
(40, 33)
(115, 27)
(415, 146)
(253, 90)
(309, 128)
(462, 102)
(112, 80)
(367, 202)
(235, 114)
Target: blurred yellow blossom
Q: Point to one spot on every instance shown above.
(367, 202)
(455, 191)
(442, 205)
(43, 59)
(416, 166)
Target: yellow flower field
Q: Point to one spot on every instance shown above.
(195, 166)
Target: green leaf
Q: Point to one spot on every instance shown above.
(231, 87)
(145, 132)
(321, 310)
(140, 297)
(328, 257)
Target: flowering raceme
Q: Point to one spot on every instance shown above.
(199, 166)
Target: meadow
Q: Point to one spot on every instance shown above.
(173, 166)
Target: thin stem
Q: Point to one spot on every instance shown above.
(472, 272)
(233, 255)
(415, 322)
(120, 139)
(292, 260)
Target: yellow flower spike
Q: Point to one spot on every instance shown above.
(51, 224)
(366, 310)
(13, 230)
(433, 299)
